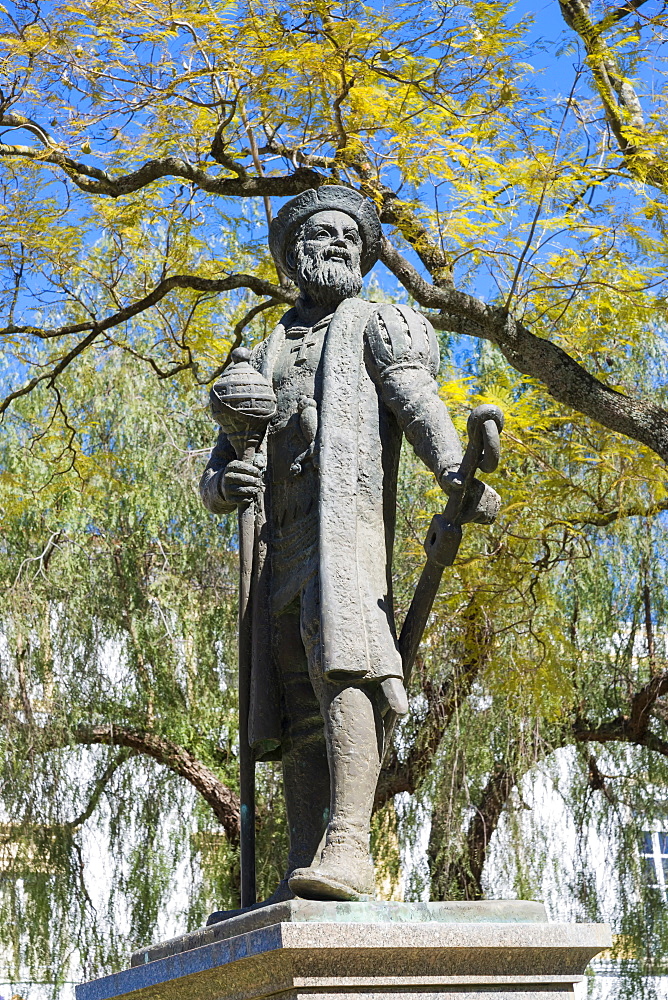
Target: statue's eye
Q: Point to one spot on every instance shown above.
(323, 234)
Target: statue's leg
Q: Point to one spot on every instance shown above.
(304, 756)
(354, 735)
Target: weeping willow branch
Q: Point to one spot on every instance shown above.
(443, 702)
(98, 790)
(222, 800)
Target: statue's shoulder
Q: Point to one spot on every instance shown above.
(289, 318)
(262, 353)
(400, 335)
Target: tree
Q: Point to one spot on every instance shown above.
(143, 148)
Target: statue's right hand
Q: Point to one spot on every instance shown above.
(242, 481)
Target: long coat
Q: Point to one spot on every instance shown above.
(378, 381)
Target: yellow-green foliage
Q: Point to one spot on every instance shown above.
(146, 140)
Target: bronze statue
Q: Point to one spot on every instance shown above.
(327, 677)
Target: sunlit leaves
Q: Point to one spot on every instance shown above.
(518, 185)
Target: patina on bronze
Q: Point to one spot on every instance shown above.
(350, 378)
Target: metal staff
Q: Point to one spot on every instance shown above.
(445, 532)
(242, 403)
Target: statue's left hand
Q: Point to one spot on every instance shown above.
(469, 498)
(480, 504)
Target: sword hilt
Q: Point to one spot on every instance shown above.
(482, 452)
(445, 530)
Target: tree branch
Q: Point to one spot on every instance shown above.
(223, 801)
(192, 281)
(257, 285)
(406, 776)
(620, 101)
(467, 875)
(631, 728)
(239, 328)
(12, 121)
(615, 16)
(566, 380)
(99, 182)
(610, 516)
(98, 790)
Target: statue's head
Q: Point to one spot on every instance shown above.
(326, 240)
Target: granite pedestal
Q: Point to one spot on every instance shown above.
(503, 950)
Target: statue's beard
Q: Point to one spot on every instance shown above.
(324, 281)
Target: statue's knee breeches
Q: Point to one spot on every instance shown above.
(300, 709)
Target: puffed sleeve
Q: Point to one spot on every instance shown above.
(403, 360)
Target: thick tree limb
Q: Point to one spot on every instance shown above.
(566, 380)
(223, 801)
(397, 213)
(100, 182)
(621, 105)
(631, 728)
(464, 879)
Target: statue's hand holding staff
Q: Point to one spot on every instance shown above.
(242, 482)
(243, 403)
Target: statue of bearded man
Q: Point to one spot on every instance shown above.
(350, 378)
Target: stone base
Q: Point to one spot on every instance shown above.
(504, 950)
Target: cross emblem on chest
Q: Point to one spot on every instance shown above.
(309, 340)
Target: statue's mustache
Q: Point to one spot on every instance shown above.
(341, 252)
(329, 274)
(325, 261)
(321, 258)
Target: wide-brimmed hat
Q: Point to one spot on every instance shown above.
(332, 197)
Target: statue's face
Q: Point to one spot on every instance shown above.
(326, 256)
(335, 236)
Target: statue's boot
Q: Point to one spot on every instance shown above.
(354, 732)
(307, 795)
(306, 789)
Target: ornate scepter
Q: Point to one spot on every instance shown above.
(242, 404)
